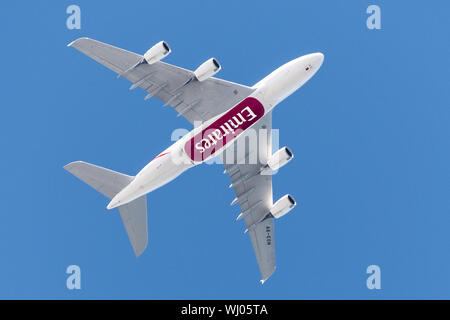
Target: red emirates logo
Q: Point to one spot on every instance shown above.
(224, 130)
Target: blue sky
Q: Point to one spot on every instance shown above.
(370, 133)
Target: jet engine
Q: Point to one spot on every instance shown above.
(157, 52)
(277, 160)
(207, 69)
(283, 206)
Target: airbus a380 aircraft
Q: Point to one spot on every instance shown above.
(222, 112)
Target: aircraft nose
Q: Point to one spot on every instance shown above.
(310, 63)
(317, 59)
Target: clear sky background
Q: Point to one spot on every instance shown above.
(370, 133)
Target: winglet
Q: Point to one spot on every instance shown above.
(77, 40)
(265, 279)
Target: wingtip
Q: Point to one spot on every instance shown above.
(268, 275)
(77, 40)
(70, 164)
(139, 251)
(265, 279)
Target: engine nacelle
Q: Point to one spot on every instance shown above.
(207, 69)
(278, 159)
(157, 52)
(283, 206)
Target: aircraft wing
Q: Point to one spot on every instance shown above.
(254, 192)
(196, 101)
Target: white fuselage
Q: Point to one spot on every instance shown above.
(187, 151)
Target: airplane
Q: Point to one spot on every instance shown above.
(222, 112)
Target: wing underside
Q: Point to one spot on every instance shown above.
(196, 101)
(243, 162)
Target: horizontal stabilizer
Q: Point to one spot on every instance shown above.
(109, 183)
(105, 181)
(134, 217)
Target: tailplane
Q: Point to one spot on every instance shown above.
(109, 183)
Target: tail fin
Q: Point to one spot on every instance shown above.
(109, 183)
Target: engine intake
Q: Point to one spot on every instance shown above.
(157, 52)
(207, 69)
(278, 160)
(283, 206)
